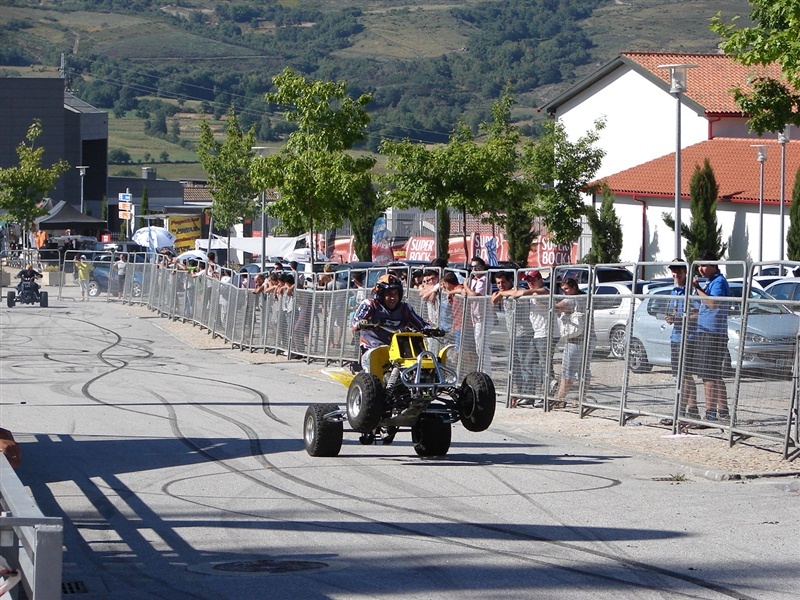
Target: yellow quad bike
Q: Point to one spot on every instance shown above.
(407, 387)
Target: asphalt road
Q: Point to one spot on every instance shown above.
(180, 473)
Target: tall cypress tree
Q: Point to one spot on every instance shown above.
(703, 234)
(606, 232)
(793, 235)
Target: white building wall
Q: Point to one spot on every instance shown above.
(640, 120)
(739, 222)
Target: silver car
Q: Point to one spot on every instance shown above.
(769, 343)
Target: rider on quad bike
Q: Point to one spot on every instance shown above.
(29, 275)
(387, 308)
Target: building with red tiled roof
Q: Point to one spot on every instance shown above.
(632, 95)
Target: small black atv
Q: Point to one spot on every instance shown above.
(28, 294)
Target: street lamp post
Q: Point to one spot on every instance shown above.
(82, 169)
(761, 158)
(677, 76)
(783, 138)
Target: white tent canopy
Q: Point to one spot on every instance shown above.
(275, 246)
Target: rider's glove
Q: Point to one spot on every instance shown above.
(434, 332)
(363, 324)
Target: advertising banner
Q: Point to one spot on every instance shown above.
(186, 229)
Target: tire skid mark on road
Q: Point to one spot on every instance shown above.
(405, 530)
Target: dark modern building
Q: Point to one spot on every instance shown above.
(71, 130)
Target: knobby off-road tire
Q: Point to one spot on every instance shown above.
(431, 436)
(11, 299)
(478, 401)
(366, 402)
(43, 299)
(322, 437)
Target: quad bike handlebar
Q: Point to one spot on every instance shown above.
(426, 331)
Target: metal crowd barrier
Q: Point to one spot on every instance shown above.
(29, 542)
(622, 365)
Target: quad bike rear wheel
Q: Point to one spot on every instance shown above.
(320, 436)
(11, 299)
(431, 436)
(478, 401)
(366, 402)
(43, 300)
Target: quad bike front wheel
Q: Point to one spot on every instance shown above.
(366, 402)
(431, 436)
(320, 436)
(11, 299)
(478, 401)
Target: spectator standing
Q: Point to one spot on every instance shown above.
(518, 327)
(477, 286)
(121, 267)
(453, 311)
(573, 314)
(83, 268)
(712, 337)
(675, 316)
(543, 331)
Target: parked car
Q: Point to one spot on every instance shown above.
(769, 343)
(611, 307)
(787, 288)
(580, 273)
(101, 277)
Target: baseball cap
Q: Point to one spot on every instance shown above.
(83, 256)
(677, 263)
(532, 274)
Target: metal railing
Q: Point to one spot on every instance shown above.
(29, 541)
(621, 361)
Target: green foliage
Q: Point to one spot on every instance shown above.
(228, 167)
(145, 208)
(702, 235)
(363, 220)
(319, 183)
(793, 235)
(772, 38)
(606, 232)
(453, 175)
(23, 187)
(557, 173)
(118, 156)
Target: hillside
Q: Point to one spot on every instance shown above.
(427, 64)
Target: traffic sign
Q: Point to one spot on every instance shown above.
(123, 214)
(125, 197)
(125, 206)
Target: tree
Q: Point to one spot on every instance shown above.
(22, 188)
(507, 192)
(793, 235)
(164, 156)
(606, 232)
(227, 165)
(772, 38)
(702, 235)
(319, 183)
(145, 208)
(363, 221)
(557, 173)
(458, 175)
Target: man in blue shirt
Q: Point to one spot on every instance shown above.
(675, 316)
(712, 337)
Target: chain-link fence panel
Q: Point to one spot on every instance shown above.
(651, 358)
(763, 393)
